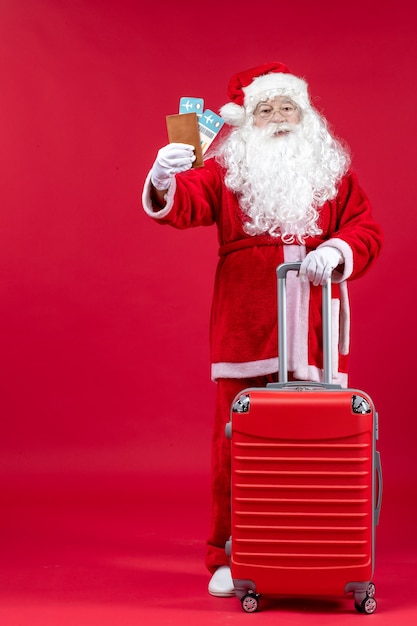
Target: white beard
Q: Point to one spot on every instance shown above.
(283, 179)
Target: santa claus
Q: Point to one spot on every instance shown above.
(279, 188)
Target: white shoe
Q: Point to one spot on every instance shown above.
(221, 583)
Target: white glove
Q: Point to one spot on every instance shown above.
(173, 158)
(319, 264)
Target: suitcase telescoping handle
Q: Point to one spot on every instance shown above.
(282, 271)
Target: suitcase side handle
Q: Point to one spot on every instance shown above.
(282, 271)
(378, 469)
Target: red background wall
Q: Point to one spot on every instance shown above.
(105, 374)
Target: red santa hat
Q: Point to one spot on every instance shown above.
(248, 88)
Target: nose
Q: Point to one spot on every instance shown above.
(278, 113)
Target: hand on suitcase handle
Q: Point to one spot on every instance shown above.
(319, 264)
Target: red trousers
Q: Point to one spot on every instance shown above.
(219, 533)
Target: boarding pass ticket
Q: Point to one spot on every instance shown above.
(209, 123)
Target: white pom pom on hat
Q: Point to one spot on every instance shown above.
(249, 87)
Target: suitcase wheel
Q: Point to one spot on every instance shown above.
(370, 592)
(250, 602)
(368, 605)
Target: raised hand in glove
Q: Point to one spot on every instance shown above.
(171, 159)
(319, 264)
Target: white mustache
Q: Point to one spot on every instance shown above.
(274, 128)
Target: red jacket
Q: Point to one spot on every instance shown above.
(244, 313)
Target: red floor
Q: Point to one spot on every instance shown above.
(132, 553)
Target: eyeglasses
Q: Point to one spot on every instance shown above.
(266, 111)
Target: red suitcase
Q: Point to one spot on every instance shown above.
(306, 484)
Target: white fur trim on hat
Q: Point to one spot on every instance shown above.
(263, 88)
(233, 114)
(276, 84)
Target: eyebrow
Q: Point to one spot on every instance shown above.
(285, 100)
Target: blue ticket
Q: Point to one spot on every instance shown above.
(209, 126)
(192, 105)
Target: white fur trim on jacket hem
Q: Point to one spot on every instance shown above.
(269, 366)
(244, 370)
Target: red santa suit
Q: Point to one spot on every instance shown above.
(244, 313)
(244, 342)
